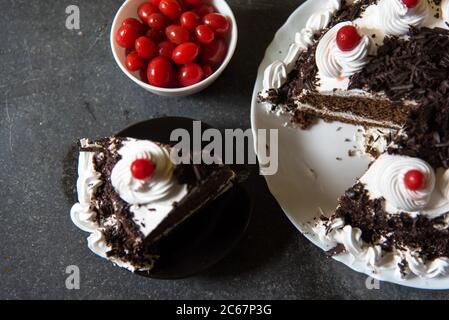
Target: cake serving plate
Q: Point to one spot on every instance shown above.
(315, 168)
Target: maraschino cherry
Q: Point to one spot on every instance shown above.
(348, 38)
(142, 169)
(410, 3)
(414, 180)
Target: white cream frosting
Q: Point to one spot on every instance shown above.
(87, 184)
(445, 10)
(293, 54)
(335, 63)
(162, 184)
(304, 38)
(319, 21)
(334, 5)
(432, 269)
(275, 75)
(397, 19)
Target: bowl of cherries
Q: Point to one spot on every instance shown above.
(174, 47)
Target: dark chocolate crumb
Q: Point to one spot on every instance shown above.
(336, 251)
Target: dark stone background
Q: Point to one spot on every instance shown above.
(57, 86)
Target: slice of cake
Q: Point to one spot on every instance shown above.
(131, 195)
(396, 216)
(363, 62)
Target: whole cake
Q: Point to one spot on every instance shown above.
(383, 65)
(131, 195)
(364, 62)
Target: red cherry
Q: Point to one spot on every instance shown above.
(166, 49)
(171, 8)
(194, 2)
(145, 10)
(177, 34)
(142, 169)
(156, 36)
(185, 53)
(158, 21)
(155, 2)
(190, 20)
(208, 71)
(126, 36)
(414, 180)
(160, 72)
(133, 61)
(143, 72)
(190, 74)
(348, 38)
(410, 3)
(146, 48)
(134, 23)
(218, 22)
(215, 52)
(174, 83)
(204, 34)
(204, 9)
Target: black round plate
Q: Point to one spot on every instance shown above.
(209, 235)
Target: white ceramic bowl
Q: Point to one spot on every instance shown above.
(129, 10)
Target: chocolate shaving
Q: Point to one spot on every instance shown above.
(408, 69)
(426, 132)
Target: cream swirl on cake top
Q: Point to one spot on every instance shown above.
(392, 185)
(396, 18)
(333, 62)
(386, 179)
(143, 191)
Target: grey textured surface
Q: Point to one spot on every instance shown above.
(56, 86)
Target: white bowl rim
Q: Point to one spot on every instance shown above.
(231, 50)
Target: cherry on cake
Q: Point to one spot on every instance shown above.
(131, 195)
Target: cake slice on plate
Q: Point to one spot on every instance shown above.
(363, 62)
(397, 215)
(131, 195)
